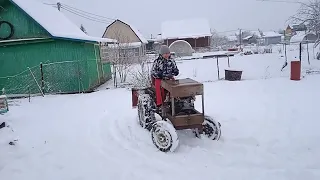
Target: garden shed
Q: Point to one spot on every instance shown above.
(195, 31)
(41, 50)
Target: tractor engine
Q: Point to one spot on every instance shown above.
(185, 105)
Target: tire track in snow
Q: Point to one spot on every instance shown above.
(94, 132)
(121, 148)
(127, 141)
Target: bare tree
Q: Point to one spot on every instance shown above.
(120, 56)
(218, 40)
(141, 76)
(123, 55)
(308, 14)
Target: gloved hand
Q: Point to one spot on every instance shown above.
(160, 75)
(175, 72)
(167, 76)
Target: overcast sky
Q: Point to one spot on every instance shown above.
(147, 15)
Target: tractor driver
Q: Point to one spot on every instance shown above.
(164, 67)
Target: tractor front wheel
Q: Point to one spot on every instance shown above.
(164, 136)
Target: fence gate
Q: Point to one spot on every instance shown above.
(63, 77)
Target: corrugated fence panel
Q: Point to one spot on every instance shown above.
(67, 66)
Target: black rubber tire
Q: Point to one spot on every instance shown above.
(146, 115)
(211, 129)
(11, 30)
(164, 136)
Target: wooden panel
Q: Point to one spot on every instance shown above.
(187, 120)
(183, 87)
(195, 126)
(195, 43)
(187, 91)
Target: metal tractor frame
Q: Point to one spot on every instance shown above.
(177, 112)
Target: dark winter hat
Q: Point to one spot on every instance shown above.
(164, 50)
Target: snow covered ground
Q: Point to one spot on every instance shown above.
(254, 67)
(270, 130)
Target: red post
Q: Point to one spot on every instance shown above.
(134, 96)
(295, 70)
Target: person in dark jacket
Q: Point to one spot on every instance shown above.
(164, 68)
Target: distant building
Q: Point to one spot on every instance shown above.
(271, 37)
(128, 37)
(302, 37)
(294, 30)
(298, 27)
(194, 33)
(153, 45)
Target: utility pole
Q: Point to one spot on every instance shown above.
(59, 6)
(240, 38)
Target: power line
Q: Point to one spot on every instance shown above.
(282, 1)
(83, 14)
(86, 17)
(67, 8)
(49, 4)
(76, 9)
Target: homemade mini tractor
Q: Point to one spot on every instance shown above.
(177, 112)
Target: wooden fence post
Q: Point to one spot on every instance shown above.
(42, 77)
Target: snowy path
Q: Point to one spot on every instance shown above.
(269, 131)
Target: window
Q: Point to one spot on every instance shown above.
(136, 51)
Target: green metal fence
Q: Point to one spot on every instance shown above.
(58, 77)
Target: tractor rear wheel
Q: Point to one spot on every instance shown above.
(146, 111)
(211, 129)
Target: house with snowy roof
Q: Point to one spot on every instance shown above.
(252, 37)
(129, 39)
(42, 51)
(294, 29)
(271, 37)
(194, 32)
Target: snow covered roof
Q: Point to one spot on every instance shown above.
(232, 38)
(299, 37)
(188, 28)
(136, 31)
(159, 38)
(256, 33)
(19, 40)
(271, 34)
(126, 45)
(248, 37)
(53, 21)
(140, 36)
(3, 96)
